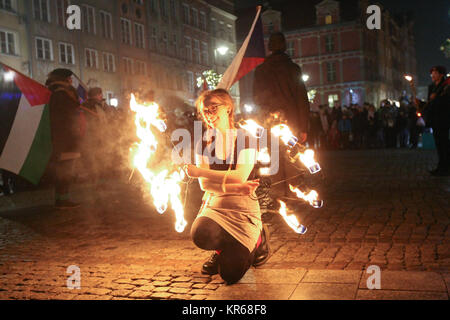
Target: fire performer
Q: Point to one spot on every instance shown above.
(229, 220)
(278, 88)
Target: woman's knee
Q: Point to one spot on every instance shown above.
(203, 235)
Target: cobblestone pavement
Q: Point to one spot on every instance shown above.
(381, 208)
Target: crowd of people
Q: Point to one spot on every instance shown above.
(365, 127)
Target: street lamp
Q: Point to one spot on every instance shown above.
(222, 50)
(8, 76)
(305, 78)
(408, 78)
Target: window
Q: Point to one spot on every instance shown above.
(88, 19)
(186, 15)
(202, 21)
(66, 53)
(140, 40)
(153, 6)
(205, 55)
(290, 48)
(7, 5)
(154, 39)
(163, 8)
(175, 45)
(190, 81)
(329, 19)
(41, 9)
(270, 27)
(126, 31)
(331, 71)
(173, 9)
(179, 80)
(329, 43)
(106, 25)
(230, 32)
(213, 27)
(109, 63)
(140, 68)
(91, 58)
(197, 51)
(7, 42)
(61, 12)
(128, 65)
(165, 41)
(44, 50)
(188, 46)
(195, 18)
(332, 99)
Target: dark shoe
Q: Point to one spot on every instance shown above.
(262, 253)
(66, 204)
(211, 266)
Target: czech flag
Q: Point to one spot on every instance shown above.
(251, 55)
(25, 134)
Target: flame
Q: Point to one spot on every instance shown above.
(291, 220)
(252, 127)
(163, 187)
(264, 156)
(312, 197)
(284, 132)
(307, 158)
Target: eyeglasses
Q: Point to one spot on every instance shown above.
(211, 109)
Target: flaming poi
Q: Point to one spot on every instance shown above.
(163, 186)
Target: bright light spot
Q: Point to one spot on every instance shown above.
(114, 102)
(305, 77)
(222, 50)
(248, 108)
(9, 76)
(408, 78)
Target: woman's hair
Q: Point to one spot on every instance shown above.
(220, 94)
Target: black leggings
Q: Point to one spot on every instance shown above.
(234, 258)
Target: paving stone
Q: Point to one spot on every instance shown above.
(273, 276)
(121, 293)
(139, 294)
(161, 295)
(324, 291)
(180, 290)
(182, 279)
(181, 285)
(160, 283)
(253, 292)
(161, 289)
(162, 278)
(332, 276)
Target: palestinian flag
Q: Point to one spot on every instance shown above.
(25, 134)
(250, 55)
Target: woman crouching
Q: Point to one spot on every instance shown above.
(229, 221)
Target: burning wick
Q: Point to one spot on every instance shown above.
(252, 127)
(291, 220)
(408, 78)
(312, 198)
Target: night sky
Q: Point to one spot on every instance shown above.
(432, 28)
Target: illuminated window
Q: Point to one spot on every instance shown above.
(328, 19)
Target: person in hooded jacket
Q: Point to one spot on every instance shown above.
(64, 108)
(278, 88)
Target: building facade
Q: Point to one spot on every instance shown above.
(345, 62)
(124, 46)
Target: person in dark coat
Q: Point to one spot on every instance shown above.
(278, 88)
(65, 128)
(437, 114)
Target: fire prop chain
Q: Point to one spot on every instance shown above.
(163, 187)
(297, 153)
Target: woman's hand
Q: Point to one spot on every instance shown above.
(249, 187)
(192, 171)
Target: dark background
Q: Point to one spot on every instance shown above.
(432, 27)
